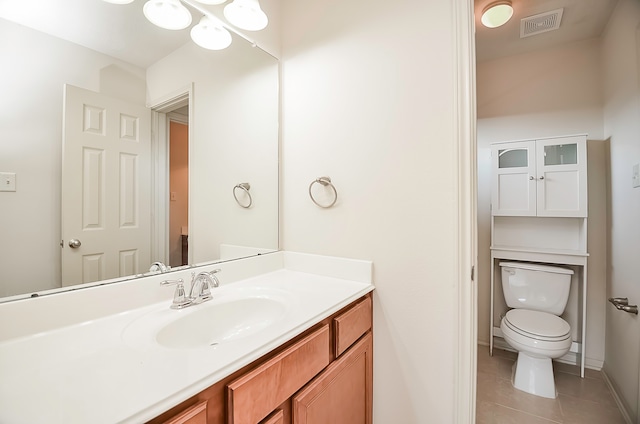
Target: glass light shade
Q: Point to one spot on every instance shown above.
(167, 14)
(246, 14)
(210, 34)
(119, 1)
(211, 1)
(497, 14)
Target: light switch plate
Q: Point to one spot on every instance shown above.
(636, 175)
(7, 181)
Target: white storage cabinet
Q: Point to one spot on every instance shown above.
(544, 177)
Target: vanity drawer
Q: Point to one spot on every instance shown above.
(254, 395)
(275, 418)
(351, 325)
(197, 414)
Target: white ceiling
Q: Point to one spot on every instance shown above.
(122, 31)
(581, 19)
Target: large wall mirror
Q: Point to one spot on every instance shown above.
(204, 186)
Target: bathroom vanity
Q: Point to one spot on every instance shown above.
(322, 376)
(284, 336)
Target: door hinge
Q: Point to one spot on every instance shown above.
(473, 273)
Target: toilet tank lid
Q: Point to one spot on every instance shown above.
(537, 267)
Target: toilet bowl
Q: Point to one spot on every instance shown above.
(538, 337)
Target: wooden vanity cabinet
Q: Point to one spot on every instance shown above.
(322, 376)
(342, 394)
(196, 414)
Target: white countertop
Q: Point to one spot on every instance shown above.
(89, 372)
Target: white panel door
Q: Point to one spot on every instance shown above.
(562, 177)
(513, 187)
(106, 187)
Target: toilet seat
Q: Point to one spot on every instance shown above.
(540, 326)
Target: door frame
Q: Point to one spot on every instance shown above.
(160, 119)
(466, 144)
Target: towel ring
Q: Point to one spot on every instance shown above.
(324, 181)
(244, 187)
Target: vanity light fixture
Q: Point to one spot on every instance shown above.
(167, 14)
(211, 34)
(246, 14)
(497, 13)
(211, 1)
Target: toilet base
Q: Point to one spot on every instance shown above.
(534, 375)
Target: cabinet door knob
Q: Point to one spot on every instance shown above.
(531, 177)
(542, 178)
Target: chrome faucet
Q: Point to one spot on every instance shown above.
(159, 266)
(200, 291)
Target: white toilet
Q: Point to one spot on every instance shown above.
(538, 294)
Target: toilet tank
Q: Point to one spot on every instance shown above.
(537, 287)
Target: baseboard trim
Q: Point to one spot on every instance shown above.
(617, 398)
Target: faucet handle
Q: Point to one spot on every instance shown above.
(203, 291)
(214, 280)
(180, 299)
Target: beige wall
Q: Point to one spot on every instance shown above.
(621, 64)
(368, 100)
(541, 94)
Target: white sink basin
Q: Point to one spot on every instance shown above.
(231, 315)
(213, 323)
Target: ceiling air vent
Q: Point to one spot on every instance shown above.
(538, 24)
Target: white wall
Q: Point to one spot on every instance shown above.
(621, 63)
(368, 100)
(233, 137)
(31, 83)
(541, 94)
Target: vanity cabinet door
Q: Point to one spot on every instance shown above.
(257, 393)
(197, 414)
(341, 394)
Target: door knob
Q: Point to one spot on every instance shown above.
(74, 243)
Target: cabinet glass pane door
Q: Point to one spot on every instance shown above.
(561, 154)
(513, 158)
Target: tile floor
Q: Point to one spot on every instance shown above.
(580, 400)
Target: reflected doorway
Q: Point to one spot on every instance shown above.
(179, 187)
(171, 149)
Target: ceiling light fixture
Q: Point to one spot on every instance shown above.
(246, 14)
(497, 14)
(167, 14)
(210, 34)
